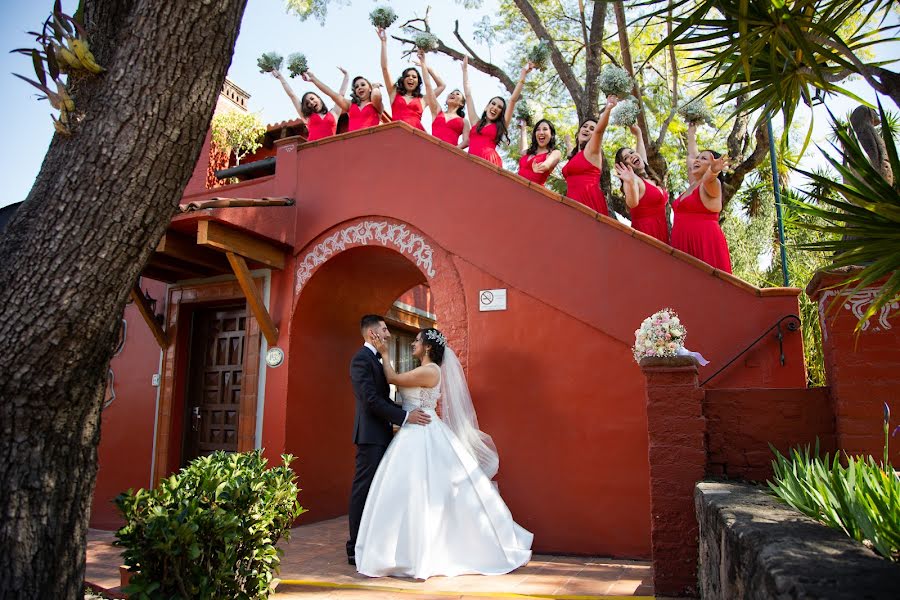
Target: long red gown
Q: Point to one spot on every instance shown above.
(525, 170)
(649, 216)
(583, 183)
(321, 126)
(447, 131)
(696, 231)
(483, 143)
(407, 111)
(360, 118)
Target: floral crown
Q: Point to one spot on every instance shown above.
(436, 336)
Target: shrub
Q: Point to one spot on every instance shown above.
(209, 531)
(862, 499)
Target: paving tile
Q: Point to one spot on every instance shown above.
(315, 553)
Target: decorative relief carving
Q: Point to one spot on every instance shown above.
(385, 233)
(857, 303)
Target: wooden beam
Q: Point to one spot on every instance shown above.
(216, 235)
(185, 248)
(254, 300)
(144, 308)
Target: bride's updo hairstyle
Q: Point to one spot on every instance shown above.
(435, 344)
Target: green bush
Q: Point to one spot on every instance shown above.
(209, 531)
(862, 499)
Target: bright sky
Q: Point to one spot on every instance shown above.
(347, 39)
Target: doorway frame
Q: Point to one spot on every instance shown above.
(182, 300)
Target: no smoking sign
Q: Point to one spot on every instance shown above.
(492, 300)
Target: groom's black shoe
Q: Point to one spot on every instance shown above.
(351, 560)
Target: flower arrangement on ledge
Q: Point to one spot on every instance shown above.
(660, 335)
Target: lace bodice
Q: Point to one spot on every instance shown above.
(425, 398)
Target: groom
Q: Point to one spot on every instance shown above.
(375, 413)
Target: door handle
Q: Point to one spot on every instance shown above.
(195, 419)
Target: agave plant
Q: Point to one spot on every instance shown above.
(778, 53)
(865, 208)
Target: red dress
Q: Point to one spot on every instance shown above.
(408, 112)
(649, 216)
(320, 127)
(360, 118)
(448, 131)
(583, 183)
(525, 170)
(697, 232)
(484, 144)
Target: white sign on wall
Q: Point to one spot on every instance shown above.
(492, 300)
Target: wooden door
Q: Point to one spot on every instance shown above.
(218, 337)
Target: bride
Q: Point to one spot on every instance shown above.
(432, 509)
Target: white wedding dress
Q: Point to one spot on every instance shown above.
(431, 510)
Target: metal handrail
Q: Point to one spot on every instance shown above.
(792, 325)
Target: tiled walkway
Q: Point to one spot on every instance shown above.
(314, 565)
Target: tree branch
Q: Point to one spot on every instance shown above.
(664, 129)
(735, 178)
(566, 74)
(474, 61)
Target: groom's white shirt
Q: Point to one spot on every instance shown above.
(375, 352)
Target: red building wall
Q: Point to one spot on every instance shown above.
(552, 376)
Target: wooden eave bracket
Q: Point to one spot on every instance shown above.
(144, 308)
(239, 246)
(254, 300)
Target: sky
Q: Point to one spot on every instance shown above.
(347, 39)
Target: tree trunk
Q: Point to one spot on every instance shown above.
(70, 255)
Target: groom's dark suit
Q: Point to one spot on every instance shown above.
(372, 431)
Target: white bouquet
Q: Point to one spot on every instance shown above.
(625, 112)
(661, 334)
(383, 17)
(695, 111)
(615, 80)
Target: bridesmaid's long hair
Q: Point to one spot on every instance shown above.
(551, 145)
(461, 110)
(401, 89)
(305, 111)
(578, 146)
(646, 172)
(502, 132)
(353, 97)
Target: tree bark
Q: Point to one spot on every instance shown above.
(72, 252)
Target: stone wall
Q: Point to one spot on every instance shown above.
(754, 546)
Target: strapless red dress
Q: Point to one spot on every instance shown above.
(583, 183)
(360, 118)
(525, 170)
(696, 231)
(649, 216)
(484, 144)
(408, 112)
(447, 131)
(321, 126)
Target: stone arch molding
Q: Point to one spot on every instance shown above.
(386, 232)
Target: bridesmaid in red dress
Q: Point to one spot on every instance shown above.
(696, 229)
(582, 172)
(489, 130)
(645, 197)
(450, 126)
(405, 93)
(364, 107)
(541, 157)
(320, 122)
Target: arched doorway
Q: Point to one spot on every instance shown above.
(324, 336)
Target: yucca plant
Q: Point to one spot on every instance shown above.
(778, 53)
(861, 205)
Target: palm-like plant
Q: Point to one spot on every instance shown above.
(781, 52)
(864, 207)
